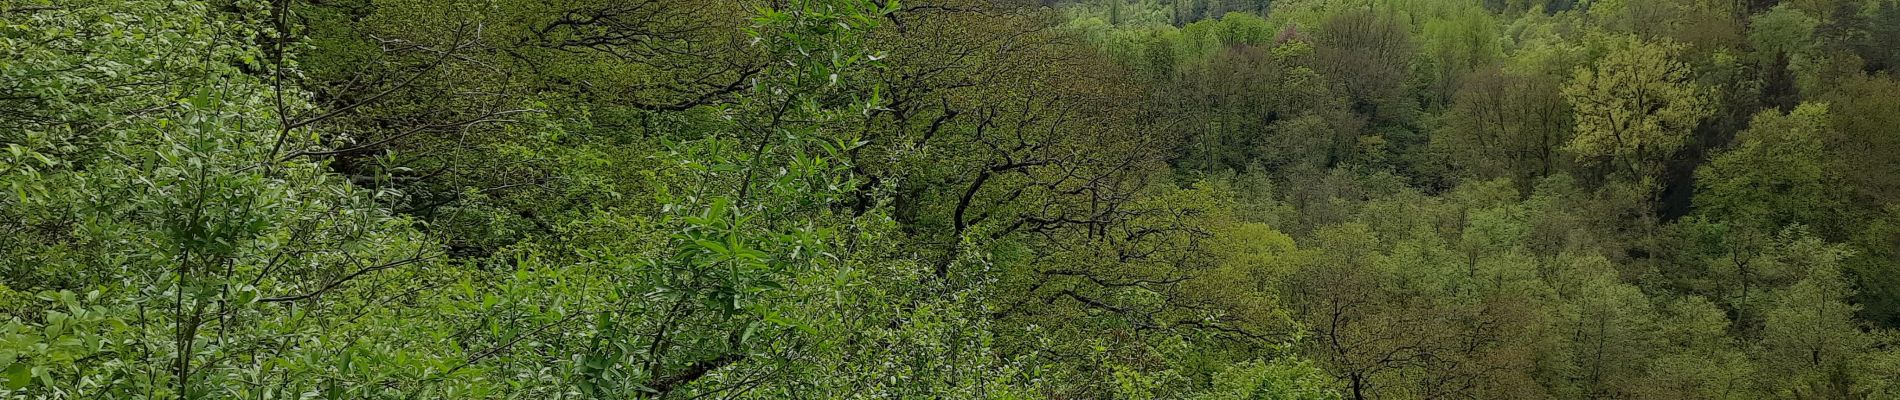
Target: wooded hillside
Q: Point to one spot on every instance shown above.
(932, 199)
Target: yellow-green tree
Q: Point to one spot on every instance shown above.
(1635, 106)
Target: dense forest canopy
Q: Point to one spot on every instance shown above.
(1061, 199)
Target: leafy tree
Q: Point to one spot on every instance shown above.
(1608, 325)
(1773, 176)
(146, 175)
(1701, 360)
(1810, 342)
(1369, 53)
(1871, 268)
(1634, 106)
(1503, 124)
(1783, 32)
(1142, 199)
(1858, 151)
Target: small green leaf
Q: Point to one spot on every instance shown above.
(19, 376)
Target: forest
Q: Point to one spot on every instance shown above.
(950, 199)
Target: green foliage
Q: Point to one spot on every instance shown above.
(1783, 31)
(1809, 336)
(1279, 380)
(1504, 124)
(1141, 199)
(1773, 177)
(1635, 106)
(195, 243)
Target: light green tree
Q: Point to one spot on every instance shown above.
(1810, 342)
(1635, 106)
(1772, 176)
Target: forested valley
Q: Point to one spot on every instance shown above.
(950, 199)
